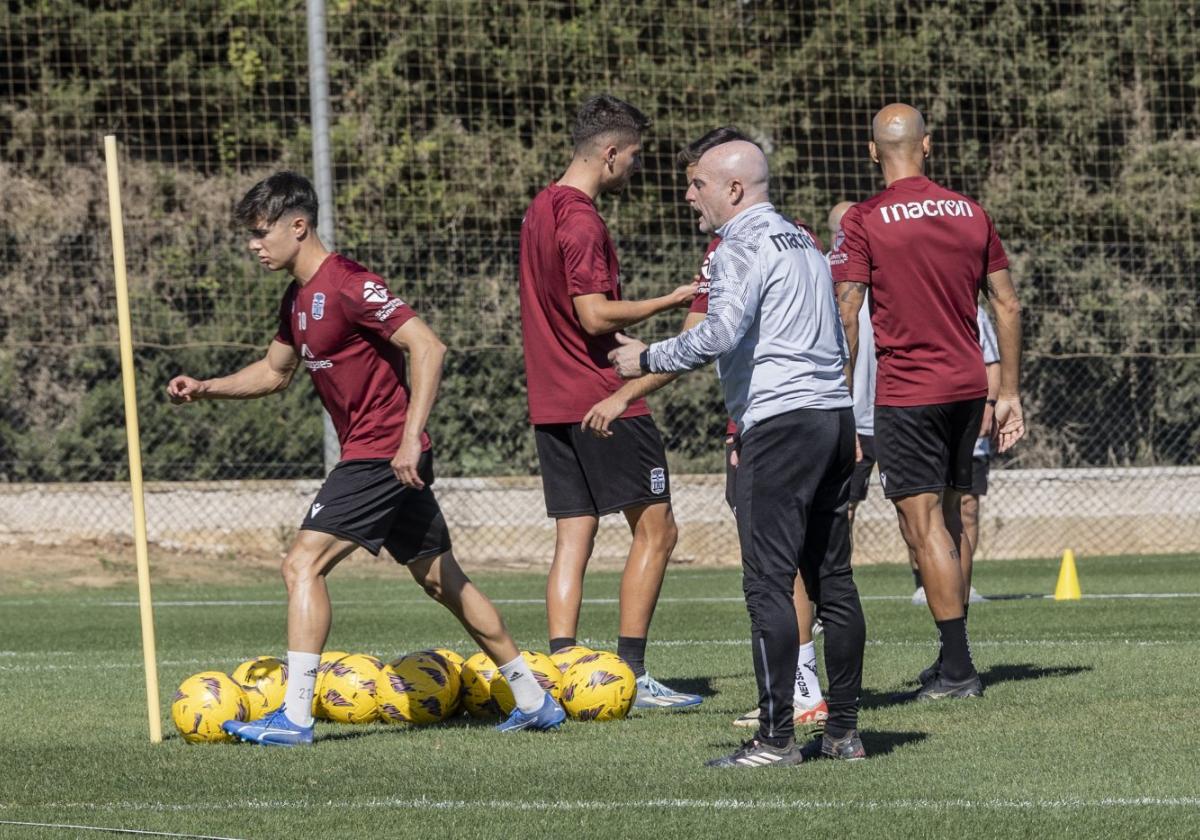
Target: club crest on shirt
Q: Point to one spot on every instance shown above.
(374, 292)
(705, 273)
(318, 306)
(658, 480)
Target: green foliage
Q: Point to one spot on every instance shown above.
(1074, 123)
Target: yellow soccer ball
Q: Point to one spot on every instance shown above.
(566, 657)
(452, 664)
(599, 686)
(264, 679)
(346, 691)
(203, 702)
(478, 674)
(415, 689)
(545, 671)
(327, 659)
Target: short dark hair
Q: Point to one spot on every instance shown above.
(604, 114)
(690, 154)
(270, 198)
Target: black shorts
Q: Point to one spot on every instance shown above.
(583, 475)
(979, 476)
(926, 448)
(363, 501)
(863, 469)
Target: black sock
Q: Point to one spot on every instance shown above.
(916, 578)
(633, 651)
(560, 642)
(835, 732)
(956, 652)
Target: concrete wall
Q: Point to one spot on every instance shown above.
(501, 521)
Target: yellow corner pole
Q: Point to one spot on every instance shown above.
(131, 432)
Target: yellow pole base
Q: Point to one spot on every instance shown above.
(1068, 579)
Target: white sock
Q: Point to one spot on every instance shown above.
(528, 693)
(301, 685)
(807, 691)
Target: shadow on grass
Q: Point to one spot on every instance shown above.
(876, 742)
(991, 677)
(693, 685)
(879, 743)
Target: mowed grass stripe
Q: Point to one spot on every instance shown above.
(1186, 802)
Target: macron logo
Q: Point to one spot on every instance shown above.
(316, 509)
(921, 209)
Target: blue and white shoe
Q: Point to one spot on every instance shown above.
(275, 730)
(549, 716)
(651, 694)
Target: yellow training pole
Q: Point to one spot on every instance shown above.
(131, 433)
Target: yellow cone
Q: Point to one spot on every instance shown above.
(1068, 579)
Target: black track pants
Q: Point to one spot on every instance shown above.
(792, 493)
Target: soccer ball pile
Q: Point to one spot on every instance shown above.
(422, 688)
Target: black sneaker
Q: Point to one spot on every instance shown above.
(930, 674)
(755, 753)
(939, 688)
(847, 748)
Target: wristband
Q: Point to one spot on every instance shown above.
(644, 360)
(991, 403)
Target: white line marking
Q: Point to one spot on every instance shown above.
(1188, 802)
(714, 599)
(114, 830)
(601, 644)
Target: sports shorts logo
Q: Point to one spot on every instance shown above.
(318, 306)
(658, 480)
(374, 292)
(316, 508)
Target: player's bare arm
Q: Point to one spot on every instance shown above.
(850, 298)
(600, 316)
(1010, 420)
(268, 375)
(425, 355)
(987, 428)
(603, 413)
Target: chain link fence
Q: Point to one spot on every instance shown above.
(1074, 124)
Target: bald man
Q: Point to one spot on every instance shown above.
(925, 251)
(809, 708)
(772, 327)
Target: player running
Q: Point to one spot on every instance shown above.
(807, 700)
(772, 326)
(571, 307)
(352, 335)
(925, 251)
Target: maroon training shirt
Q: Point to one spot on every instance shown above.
(925, 251)
(340, 322)
(700, 301)
(566, 252)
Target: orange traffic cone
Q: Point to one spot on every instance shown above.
(1068, 579)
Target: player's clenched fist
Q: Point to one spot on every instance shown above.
(684, 295)
(183, 389)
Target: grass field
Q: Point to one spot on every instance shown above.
(1089, 727)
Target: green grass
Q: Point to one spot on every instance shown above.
(1088, 727)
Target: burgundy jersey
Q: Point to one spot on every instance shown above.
(340, 322)
(700, 301)
(924, 251)
(566, 252)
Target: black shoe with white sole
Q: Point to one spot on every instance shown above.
(756, 753)
(941, 688)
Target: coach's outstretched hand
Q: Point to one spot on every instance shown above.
(1010, 422)
(626, 359)
(184, 389)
